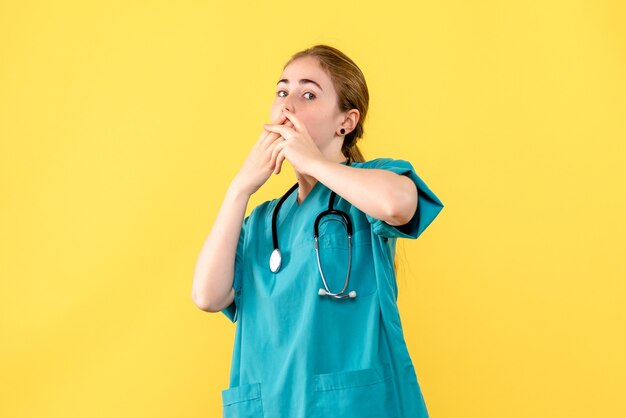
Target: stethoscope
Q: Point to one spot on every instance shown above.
(276, 257)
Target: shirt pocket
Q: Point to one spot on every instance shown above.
(363, 393)
(335, 258)
(243, 401)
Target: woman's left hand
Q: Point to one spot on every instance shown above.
(298, 147)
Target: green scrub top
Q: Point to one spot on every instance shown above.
(298, 354)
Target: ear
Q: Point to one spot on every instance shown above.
(351, 119)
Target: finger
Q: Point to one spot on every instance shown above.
(270, 139)
(262, 137)
(265, 135)
(284, 131)
(273, 142)
(277, 148)
(278, 135)
(279, 162)
(270, 151)
(293, 119)
(272, 136)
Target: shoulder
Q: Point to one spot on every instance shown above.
(265, 209)
(266, 206)
(384, 163)
(260, 211)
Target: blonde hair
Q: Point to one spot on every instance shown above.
(351, 88)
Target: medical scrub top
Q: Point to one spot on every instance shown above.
(298, 354)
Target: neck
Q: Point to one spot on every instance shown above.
(306, 183)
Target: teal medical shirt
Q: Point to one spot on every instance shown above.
(297, 354)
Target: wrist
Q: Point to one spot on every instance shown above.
(317, 167)
(236, 189)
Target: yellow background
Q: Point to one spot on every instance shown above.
(122, 124)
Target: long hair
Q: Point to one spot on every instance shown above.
(352, 93)
(351, 88)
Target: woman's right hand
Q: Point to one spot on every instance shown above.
(256, 170)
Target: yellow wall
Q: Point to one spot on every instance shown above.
(122, 123)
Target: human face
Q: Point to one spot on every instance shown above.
(313, 102)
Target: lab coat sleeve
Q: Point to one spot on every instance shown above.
(232, 310)
(428, 206)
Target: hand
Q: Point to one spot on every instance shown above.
(257, 167)
(298, 147)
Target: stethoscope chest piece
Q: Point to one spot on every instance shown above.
(275, 260)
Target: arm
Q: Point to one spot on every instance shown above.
(212, 288)
(214, 273)
(379, 193)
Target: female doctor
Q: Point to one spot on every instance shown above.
(309, 277)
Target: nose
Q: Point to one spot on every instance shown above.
(286, 105)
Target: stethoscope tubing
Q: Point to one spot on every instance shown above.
(276, 257)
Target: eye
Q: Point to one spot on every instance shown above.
(278, 93)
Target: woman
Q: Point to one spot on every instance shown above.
(307, 343)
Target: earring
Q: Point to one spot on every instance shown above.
(343, 131)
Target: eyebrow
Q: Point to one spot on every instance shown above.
(302, 81)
